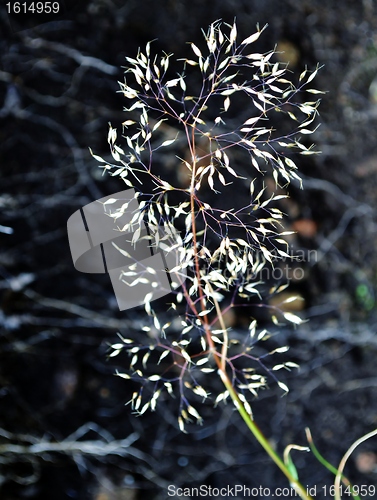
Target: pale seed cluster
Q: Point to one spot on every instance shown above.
(214, 259)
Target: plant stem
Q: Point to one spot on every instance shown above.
(342, 464)
(261, 438)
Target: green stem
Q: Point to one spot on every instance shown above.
(327, 464)
(261, 438)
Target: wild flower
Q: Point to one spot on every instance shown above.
(223, 153)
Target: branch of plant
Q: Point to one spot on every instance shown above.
(327, 464)
(247, 418)
(346, 456)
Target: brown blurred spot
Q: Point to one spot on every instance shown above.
(305, 227)
(104, 392)
(366, 462)
(287, 53)
(366, 167)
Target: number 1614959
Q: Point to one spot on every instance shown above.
(33, 7)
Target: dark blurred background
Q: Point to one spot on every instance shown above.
(65, 431)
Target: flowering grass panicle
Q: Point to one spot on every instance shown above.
(215, 118)
(228, 71)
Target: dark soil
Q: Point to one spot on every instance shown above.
(62, 410)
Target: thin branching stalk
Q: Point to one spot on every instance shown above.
(222, 251)
(262, 439)
(343, 462)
